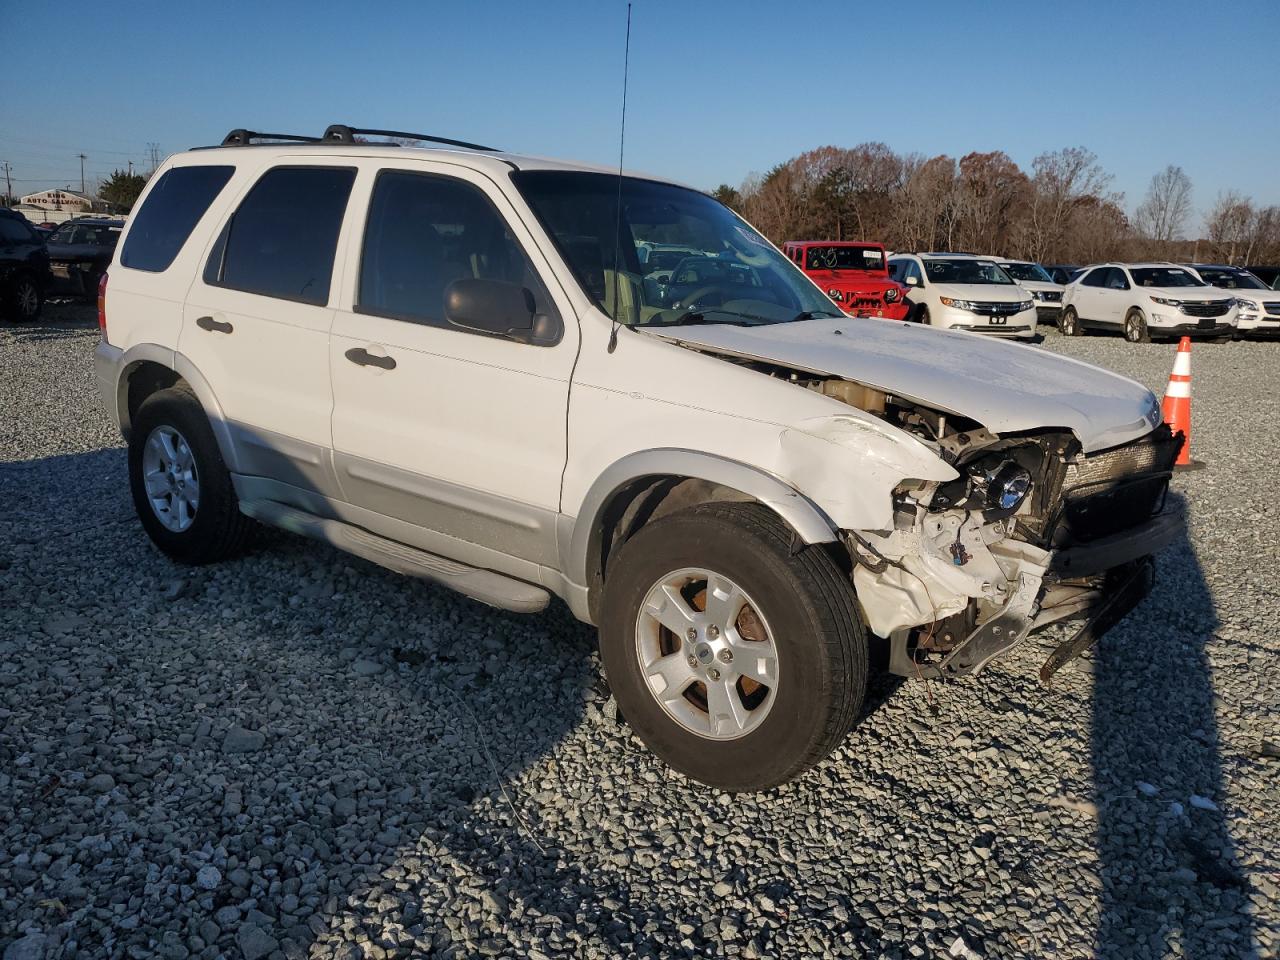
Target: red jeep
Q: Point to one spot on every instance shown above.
(855, 276)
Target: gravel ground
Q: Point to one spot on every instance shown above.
(297, 754)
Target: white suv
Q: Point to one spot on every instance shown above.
(963, 292)
(1145, 300)
(456, 363)
(1257, 305)
(1044, 290)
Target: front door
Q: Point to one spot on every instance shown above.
(454, 432)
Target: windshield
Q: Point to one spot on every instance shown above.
(91, 234)
(965, 271)
(1027, 271)
(1164, 277)
(845, 257)
(681, 257)
(1232, 279)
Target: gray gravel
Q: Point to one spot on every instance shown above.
(297, 754)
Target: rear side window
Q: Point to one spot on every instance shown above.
(281, 240)
(423, 233)
(172, 209)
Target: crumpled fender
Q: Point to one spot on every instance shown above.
(849, 465)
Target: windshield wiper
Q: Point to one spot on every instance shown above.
(815, 315)
(690, 317)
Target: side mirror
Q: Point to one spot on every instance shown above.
(499, 309)
(912, 281)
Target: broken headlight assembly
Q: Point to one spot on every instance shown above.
(994, 486)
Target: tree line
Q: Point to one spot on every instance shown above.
(1063, 210)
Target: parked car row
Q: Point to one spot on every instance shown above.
(34, 263)
(1003, 297)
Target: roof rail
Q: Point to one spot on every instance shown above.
(243, 138)
(341, 133)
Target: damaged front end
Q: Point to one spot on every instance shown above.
(1032, 532)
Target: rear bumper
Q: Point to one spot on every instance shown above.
(106, 366)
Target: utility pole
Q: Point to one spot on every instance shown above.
(8, 185)
(82, 160)
(131, 168)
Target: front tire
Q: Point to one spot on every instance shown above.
(738, 661)
(181, 488)
(1135, 327)
(1069, 323)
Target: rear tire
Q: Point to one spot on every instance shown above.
(181, 488)
(23, 301)
(688, 698)
(1135, 327)
(1069, 323)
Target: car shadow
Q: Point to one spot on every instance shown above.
(1170, 881)
(363, 758)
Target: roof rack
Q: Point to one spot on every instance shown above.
(341, 133)
(244, 138)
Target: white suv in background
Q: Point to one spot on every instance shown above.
(1145, 300)
(443, 361)
(1044, 290)
(1257, 305)
(962, 292)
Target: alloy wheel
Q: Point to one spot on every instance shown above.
(172, 483)
(28, 300)
(707, 654)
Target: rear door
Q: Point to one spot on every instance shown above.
(1087, 296)
(256, 324)
(449, 430)
(1114, 298)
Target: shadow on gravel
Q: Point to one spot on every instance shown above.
(1170, 882)
(300, 754)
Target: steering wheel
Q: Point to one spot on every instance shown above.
(690, 301)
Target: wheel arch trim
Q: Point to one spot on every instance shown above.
(129, 361)
(584, 532)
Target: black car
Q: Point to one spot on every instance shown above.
(24, 268)
(1062, 273)
(1268, 275)
(79, 253)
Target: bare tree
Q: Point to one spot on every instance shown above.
(1163, 213)
(1233, 227)
(1060, 181)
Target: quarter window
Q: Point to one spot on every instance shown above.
(281, 240)
(423, 233)
(171, 211)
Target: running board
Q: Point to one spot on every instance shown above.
(484, 585)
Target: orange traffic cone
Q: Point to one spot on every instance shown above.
(1177, 405)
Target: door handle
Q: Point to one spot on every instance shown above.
(214, 326)
(361, 356)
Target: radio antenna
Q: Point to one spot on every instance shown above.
(617, 227)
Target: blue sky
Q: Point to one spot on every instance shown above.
(717, 90)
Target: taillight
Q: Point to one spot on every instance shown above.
(102, 306)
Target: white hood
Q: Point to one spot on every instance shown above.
(982, 292)
(1258, 297)
(1006, 387)
(1042, 286)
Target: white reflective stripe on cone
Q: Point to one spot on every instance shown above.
(1182, 363)
(1179, 389)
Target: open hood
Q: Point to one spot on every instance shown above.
(1007, 387)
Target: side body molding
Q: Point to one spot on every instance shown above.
(804, 516)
